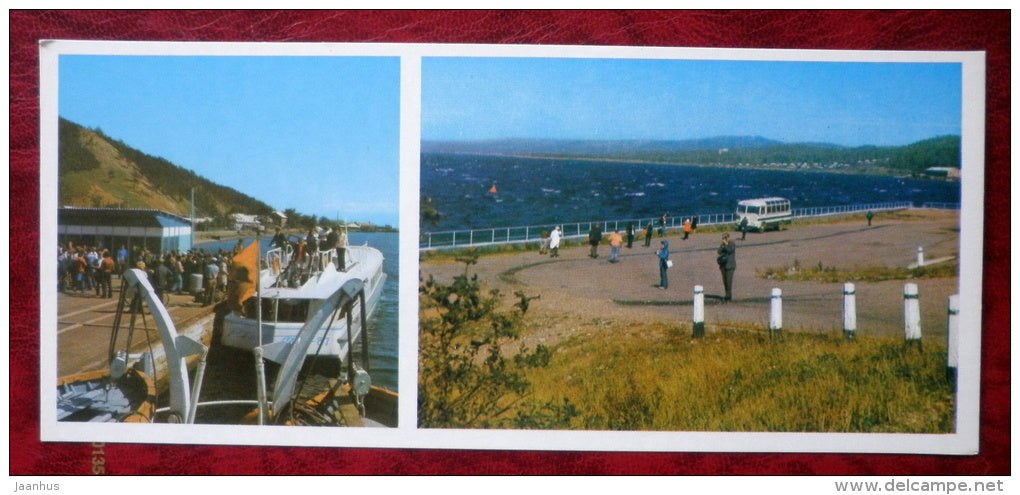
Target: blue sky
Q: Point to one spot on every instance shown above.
(317, 134)
(845, 103)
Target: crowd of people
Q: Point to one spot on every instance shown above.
(725, 254)
(86, 269)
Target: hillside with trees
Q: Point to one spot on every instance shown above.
(98, 171)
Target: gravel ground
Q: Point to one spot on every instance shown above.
(581, 295)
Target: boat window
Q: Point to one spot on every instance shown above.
(290, 310)
(293, 310)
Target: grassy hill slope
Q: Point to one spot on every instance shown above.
(98, 171)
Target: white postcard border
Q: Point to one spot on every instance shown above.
(407, 435)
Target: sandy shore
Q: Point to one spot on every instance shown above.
(581, 295)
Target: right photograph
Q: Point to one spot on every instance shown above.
(690, 245)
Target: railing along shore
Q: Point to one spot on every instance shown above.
(533, 233)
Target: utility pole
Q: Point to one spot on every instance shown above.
(192, 218)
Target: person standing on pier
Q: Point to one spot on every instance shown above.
(663, 255)
(662, 226)
(687, 228)
(122, 259)
(162, 280)
(727, 260)
(615, 243)
(80, 265)
(93, 260)
(104, 277)
(870, 216)
(212, 272)
(743, 228)
(648, 235)
(554, 242)
(630, 235)
(178, 274)
(594, 238)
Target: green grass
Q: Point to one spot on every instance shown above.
(822, 273)
(641, 377)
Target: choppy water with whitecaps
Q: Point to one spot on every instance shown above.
(536, 191)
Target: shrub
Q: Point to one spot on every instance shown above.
(465, 379)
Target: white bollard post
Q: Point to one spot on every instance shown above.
(953, 359)
(849, 311)
(920, 256)
(911, 314)
(699, 311)
(776, 316)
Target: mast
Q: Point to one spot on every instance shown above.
(258, 284)
(260, 370)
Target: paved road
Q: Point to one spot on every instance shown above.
(578, 292)
(84, 323)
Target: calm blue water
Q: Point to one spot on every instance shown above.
(535, 191)
(383, 345)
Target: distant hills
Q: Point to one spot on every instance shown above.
(730, 151)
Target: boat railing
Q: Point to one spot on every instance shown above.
(533, 233)
(277, 259)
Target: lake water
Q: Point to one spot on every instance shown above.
(383, 345)
(536, 191)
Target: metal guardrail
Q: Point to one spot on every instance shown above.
(941, 206)
(533, 233)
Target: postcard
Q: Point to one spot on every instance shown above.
(577, 248)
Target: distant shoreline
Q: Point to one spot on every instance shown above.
(877, 171)
(206, 236)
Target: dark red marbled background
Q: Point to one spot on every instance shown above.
(860, 30)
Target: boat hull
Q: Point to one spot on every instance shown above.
(241, 331)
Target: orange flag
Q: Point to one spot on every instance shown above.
(243, 270)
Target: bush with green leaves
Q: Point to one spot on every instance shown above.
(471, 375)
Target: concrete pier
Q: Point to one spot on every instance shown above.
(85, 321)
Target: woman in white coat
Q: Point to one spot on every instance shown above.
(554, 243)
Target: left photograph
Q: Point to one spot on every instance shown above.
(226, 236)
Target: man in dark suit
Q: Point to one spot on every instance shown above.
(727, 259)
(594, 238)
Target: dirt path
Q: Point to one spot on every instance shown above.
(580, 294)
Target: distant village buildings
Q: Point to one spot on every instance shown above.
(256, 222)
(155, 230)
(245, 221)
(949, 173)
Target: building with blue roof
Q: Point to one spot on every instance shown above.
(155, 230)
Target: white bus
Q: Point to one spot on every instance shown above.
(764, 213)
